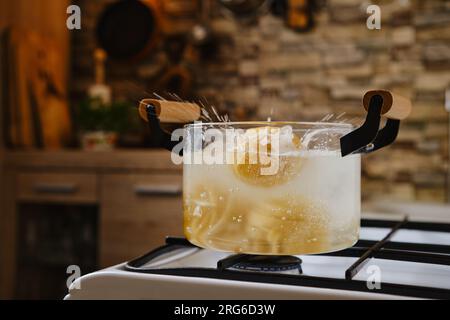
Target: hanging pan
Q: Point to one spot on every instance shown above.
(129, 29)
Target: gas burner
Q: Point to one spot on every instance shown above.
(260, 263)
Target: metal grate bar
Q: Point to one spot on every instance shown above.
(178, 241)
(407, 246)
(411, 256)
(410, 225)
(362, 261)
(396, 255)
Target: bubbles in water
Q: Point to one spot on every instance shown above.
(327, 134)
(197, 211)
(324, 138)
(235, 189)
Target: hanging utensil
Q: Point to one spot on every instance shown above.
(245, 11)
(201, 36)
(298, 14)
(201, 32)
(128, 30)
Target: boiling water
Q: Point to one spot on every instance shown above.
(311, 205)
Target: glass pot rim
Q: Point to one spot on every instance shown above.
(295, 124)
(314, 136)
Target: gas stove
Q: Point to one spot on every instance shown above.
(394, 259)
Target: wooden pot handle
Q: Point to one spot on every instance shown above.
(171, 111)
(394, 106)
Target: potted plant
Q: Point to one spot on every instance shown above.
(100, 124)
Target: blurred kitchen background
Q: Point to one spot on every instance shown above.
(81, 183)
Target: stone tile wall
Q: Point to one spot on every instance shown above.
(267, 70)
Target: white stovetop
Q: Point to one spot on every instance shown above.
(115, 283)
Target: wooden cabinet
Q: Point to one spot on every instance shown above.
(57, 187)
(138, 196)
(138, 211)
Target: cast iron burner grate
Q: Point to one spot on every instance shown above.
(232, 267)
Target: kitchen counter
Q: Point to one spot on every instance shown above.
(121, 159)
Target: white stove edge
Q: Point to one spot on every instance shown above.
(111, 284)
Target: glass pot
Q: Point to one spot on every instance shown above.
(270, 188)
